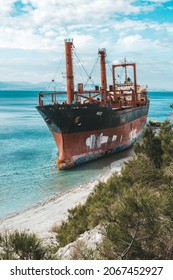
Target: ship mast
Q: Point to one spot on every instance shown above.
(69, 70)
(102, 53)
(125, 70)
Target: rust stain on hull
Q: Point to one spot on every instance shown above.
(78, 148)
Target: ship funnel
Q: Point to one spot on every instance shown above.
(69, 70)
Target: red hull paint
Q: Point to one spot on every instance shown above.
(77, 148)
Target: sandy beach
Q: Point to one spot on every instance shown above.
(40, 218)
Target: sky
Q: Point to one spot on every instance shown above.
(32, 34)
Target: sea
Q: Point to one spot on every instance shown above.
(28, 171)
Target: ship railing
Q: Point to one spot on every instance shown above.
(138, 98)
(48, 102)
(54, 97)
(88, 97)
(50, 98)
(119, 98)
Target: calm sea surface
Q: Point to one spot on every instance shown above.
(28, 153)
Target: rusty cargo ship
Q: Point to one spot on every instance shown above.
(98, 122)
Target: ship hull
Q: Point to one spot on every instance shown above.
(83, 135)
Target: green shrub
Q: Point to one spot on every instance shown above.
(21, 245)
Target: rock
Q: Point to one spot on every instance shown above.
(86, 242)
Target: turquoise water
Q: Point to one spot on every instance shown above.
(160, 105)
(28, 153)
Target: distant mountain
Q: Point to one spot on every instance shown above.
(159, 90)
(19, 85)
(29, 86)
(36, 87)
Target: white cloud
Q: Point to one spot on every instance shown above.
(168, 27)
(131, 25)
(44, 24)
(53, 16)
(47, 22)
(6, 7)
(136, 43)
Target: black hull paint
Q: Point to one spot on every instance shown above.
(67, 119)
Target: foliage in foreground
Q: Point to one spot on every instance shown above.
(21, 246)
(134, 208)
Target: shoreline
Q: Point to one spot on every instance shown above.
(40, 218)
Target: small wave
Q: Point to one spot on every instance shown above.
(53, 158)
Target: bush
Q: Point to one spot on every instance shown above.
(21, 245)
(137, 227)
(150, 146)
